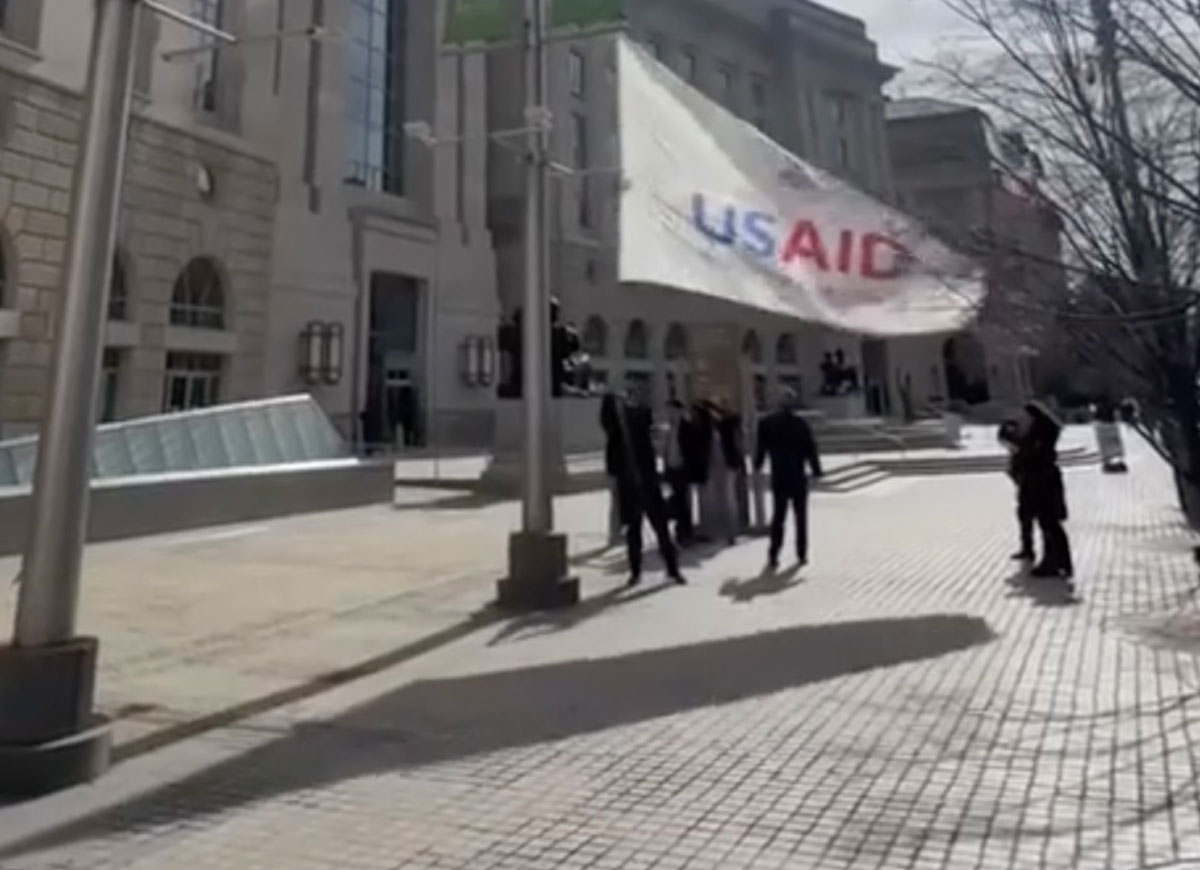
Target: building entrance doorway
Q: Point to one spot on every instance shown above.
(876, 392)
(966, 370)
(392, 416)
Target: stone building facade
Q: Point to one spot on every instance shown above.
(168, 336)
(810, 78)
(977, 188)
(269, 188)
(277, 191)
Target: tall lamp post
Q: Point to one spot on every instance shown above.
(49, 735)
(537, 556)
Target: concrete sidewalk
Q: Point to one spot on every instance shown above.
(896, 705)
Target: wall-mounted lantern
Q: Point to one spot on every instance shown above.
(310, 352)
(321, 349)
(477, 361)
(331, 358)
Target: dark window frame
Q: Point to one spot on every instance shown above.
(198, 298)
(376, 95)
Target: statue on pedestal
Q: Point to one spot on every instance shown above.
(565, 356)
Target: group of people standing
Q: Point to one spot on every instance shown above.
(838, 378)
(704, 461)
(704, 466)
(702, 454)
(1032, 442)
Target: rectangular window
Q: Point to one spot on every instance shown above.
(377, 55)
(585, 202)
(839, 109)
(208, 66)
(578, 71)
(110, 384)
(579, 142)
(758, 91)
(691, 66)
(726, 85)
(579, 133)
(192, 380)
(21, 21)
(758, 97)
(657, 46)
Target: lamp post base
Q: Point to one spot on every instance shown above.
(50, 738)
(537, 573)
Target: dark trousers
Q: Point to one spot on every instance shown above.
(1025, 519)
(646, 503)
(1055, 544)
(681, 502)
(796, 498)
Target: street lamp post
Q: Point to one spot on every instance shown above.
(49, 735)
(537, 556)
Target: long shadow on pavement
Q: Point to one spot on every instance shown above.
(549, 621)
(1043, 592)
(432, 721)
(769, 582)
(317, 684)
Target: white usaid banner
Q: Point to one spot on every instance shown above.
(711, 205)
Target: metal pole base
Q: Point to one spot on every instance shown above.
(50, 738)
(537, 573)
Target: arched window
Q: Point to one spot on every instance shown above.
(198, 299)
(676, 345)
(637, 341)
(595, 337)
(752, 347)
(785, 350)
(118, 291)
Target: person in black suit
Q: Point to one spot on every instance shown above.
(676, 473)
(1043, 490)
(1010, 437)
(630, 460)
(786, 437)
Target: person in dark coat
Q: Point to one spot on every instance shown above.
(676, 473)
(786, 437)
(695, 443)
(1009, 436)
(630, 460)
(719, 514)
(1042, 487)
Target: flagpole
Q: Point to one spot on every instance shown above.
(537, 556)
(537, 507)
(50, 736)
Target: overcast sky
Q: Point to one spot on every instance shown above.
(905, 30)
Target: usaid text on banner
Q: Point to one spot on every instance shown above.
(802, 241)
(496, 20)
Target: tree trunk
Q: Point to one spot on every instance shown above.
(1185, 445)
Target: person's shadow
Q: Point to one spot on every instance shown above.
(1042, 591)
(769, 582)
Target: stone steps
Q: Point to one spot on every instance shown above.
(862, 475)
(881, 442)
(852, 478)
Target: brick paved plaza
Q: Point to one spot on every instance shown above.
(326, 693)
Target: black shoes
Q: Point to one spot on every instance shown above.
(674, 576)
(1023, 556)
(1046, 572)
